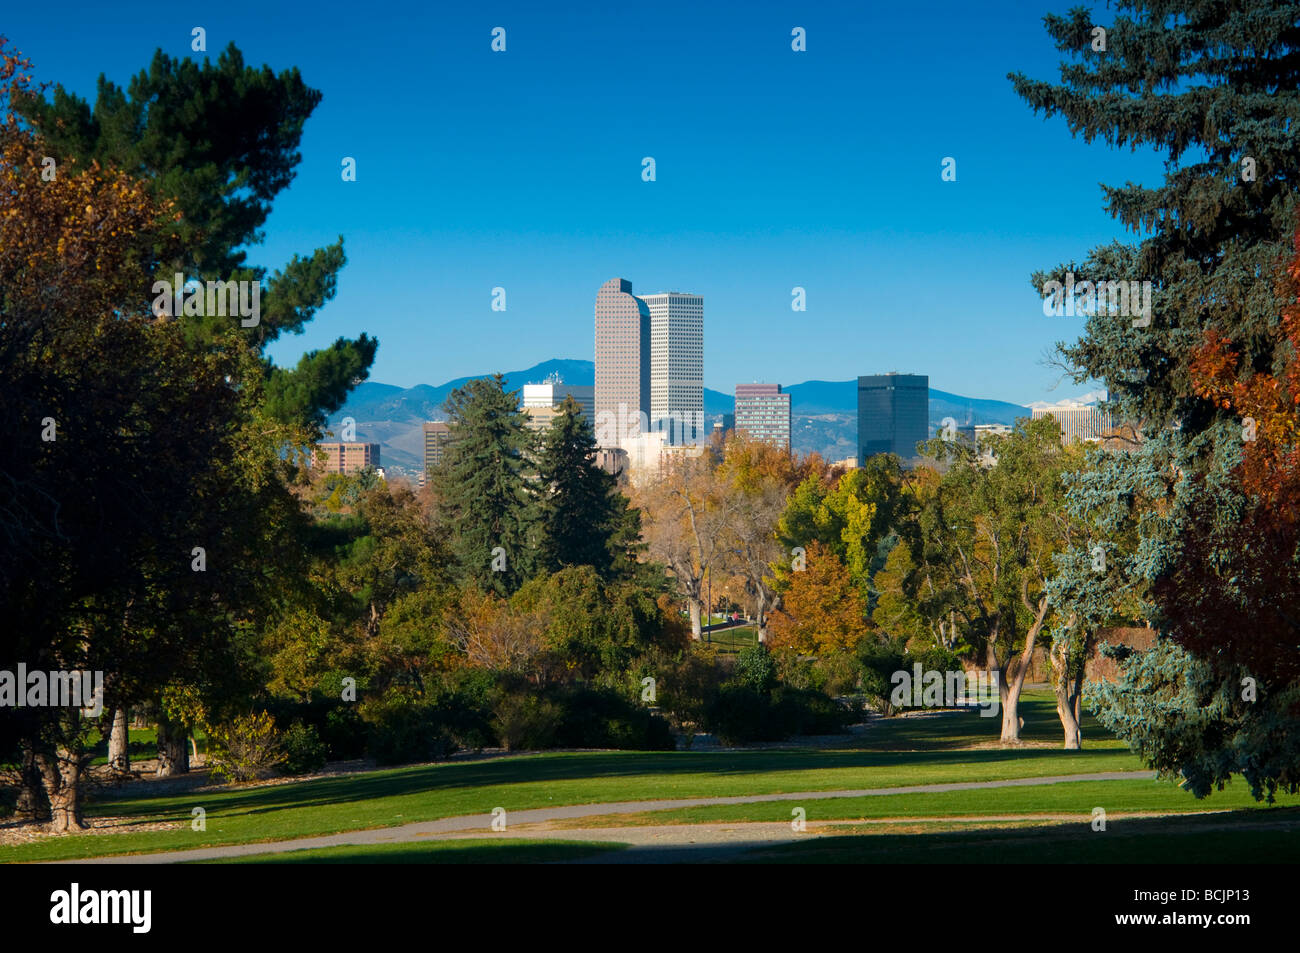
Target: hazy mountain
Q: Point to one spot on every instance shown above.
(841, 397)
(824, 412)
(1092, 398)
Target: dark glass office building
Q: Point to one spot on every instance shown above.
(893, 414)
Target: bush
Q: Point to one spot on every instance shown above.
(337, 723)
(606, 719)
(756, 668)
(246, 748)
(304, 750)
(464, 699)
(406, 731)
(937, 659)
(878, 662)
(739, 715)
(524, 721)
(344, 732)
(803, 712)
(684, 684)
(798, 671)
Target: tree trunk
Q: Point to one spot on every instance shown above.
(1070, 724)
(1069, 691)
(32, 805)
(1010, 684)
(173, 749)
(696, 631)
(1011, 679)
(119, 752)
(1009, 689)
(61, 773)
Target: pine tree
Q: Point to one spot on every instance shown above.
(219, 140)
(485, 497)
(1213, 86)
(582, 512)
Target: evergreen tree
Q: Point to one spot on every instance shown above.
(219, 141)
(486, 500)
(581, 512)
(1214, 88)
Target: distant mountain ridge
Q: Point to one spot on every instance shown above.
(824, 412)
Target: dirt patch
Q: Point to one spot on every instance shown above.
(14, 832)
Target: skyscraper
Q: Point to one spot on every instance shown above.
(893, 414)
(677, 365)
(622, 362)
(347, 457)
(436, 435)
(763, 412)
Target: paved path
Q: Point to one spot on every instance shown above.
(481, 824)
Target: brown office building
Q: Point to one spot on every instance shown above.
(343, 457)
(622, 362)
(436, 435)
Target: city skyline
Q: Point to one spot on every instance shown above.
(774, 191)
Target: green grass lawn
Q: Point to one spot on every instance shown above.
(511, 851)
(142, 743)
(1075, 797)
(887, 755)
(728, 641)
(1249, 837)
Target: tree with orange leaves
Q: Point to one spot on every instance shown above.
(1267, 403)
(822, 610)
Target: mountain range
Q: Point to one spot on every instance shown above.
(824, 413)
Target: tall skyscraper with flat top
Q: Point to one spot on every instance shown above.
(677, 365)
(893, 414)
(622, 362)
(763, 412)
(436, 435)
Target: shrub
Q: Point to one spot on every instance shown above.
(798, 671)
(738, 715)
(606, 719)
(338, 723)
(685, 684)
(246, 748)
(756, 668)
(803, 712)
(406, 731)
(344, 732)
(304, 750)
(525, 721)
(464, 700)
(878, 661)
(936, 659)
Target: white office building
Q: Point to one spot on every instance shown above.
(542, 402)
(677, 365)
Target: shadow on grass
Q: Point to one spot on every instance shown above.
(564, 767)
(940, 740)
(1236, 837)
(948, 730)
(444, 852)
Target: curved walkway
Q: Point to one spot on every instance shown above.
(482, 823)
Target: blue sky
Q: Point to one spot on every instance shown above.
(775, 169)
